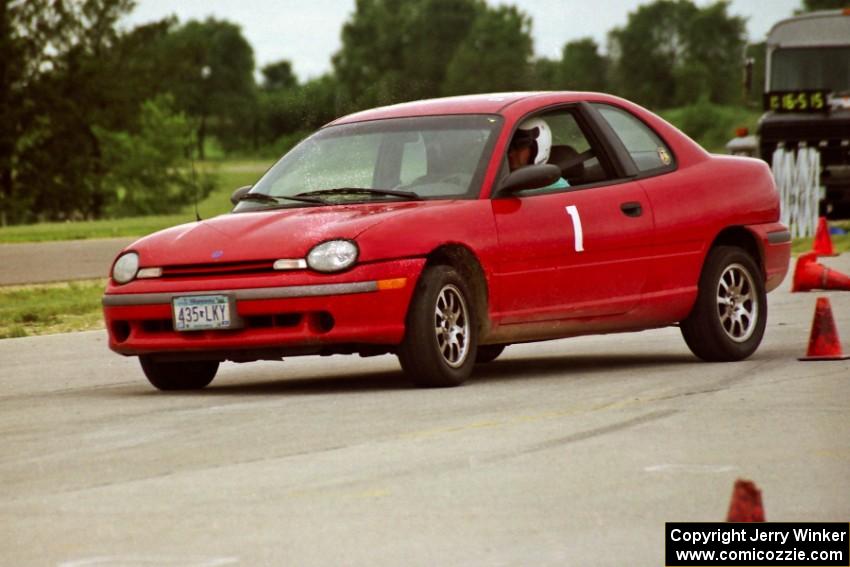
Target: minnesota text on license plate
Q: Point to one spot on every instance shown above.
(197, 312)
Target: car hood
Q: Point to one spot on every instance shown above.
(263, 235)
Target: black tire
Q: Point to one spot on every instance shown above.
(433, 362)
(182, 375)
(728, 319)
(488, 353)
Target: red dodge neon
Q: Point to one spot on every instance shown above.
(444, 230)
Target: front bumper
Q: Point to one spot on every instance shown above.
(284, 313)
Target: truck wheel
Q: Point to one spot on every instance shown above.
(441, 338)
(488, 353)
(183, 375)
(728, 319)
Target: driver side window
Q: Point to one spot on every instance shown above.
(557, 138)
(571, 150)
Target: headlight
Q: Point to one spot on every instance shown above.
(125, 268)
(332, 256)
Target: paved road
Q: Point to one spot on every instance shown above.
(41, 262)
(564, 453)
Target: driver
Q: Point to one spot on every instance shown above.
(531, 145)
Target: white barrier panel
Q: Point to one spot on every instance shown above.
(797, 176)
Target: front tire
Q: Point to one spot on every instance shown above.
(441, 339)
(182, 375)
(728, 319)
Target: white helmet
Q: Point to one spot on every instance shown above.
(540, 132)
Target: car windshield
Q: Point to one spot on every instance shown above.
(431, 157)
(811, 68)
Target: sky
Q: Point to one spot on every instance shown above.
(307, 32)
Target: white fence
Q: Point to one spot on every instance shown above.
(797, 175)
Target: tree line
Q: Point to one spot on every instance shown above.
(104, 121)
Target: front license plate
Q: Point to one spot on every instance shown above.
(200, 312)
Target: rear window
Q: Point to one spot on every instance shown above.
(648, 151)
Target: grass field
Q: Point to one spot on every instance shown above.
(712, 125)
(50, 308)
(228, 176)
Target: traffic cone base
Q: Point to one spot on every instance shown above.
(830, 357)
(824, 343)
(822, 244)
(809, 275)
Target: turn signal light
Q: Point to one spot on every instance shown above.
(397, 283)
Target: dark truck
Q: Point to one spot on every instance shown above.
(807, 100)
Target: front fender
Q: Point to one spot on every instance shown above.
(468, 223)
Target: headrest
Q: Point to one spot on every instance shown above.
(560, 156)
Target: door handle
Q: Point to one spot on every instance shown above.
(632, 209)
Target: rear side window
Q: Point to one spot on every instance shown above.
(646, 148)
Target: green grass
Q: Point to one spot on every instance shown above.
(228, 176)
(50, 308)
(840, 242)
(712, 125)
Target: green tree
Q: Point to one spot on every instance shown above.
(300, 109)
(582, 67)
(672, 52)
(394, 50)
(714, 56)
(279, 75)
(647, 51)
(210, 70)
(148, 168)
(494, 56)
(54, 88)
(544, 75)
(812, 5)
(12, 71)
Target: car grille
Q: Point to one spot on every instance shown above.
(280, 320)
(217, 269)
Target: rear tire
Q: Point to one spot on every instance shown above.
(441, 338)
(488, 353)
(728, 319)
(181, 375)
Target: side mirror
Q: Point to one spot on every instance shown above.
(237, 195)
(530, 177)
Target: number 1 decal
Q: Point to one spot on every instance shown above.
(573, 212)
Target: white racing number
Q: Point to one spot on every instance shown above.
(573, 212)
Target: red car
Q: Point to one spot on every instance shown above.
(444, 230)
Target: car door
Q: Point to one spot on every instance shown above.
(574, 252)
(679, 240)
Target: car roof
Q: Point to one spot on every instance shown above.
(490, 103)
(516, 105)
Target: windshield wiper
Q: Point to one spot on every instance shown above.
(263, 198)
(362, 191)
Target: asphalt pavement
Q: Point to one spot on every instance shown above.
(569, 452)
(43, 262)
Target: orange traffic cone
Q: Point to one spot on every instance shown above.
(824, 343)
(822, 245)
(809, 275)
(746, 503)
